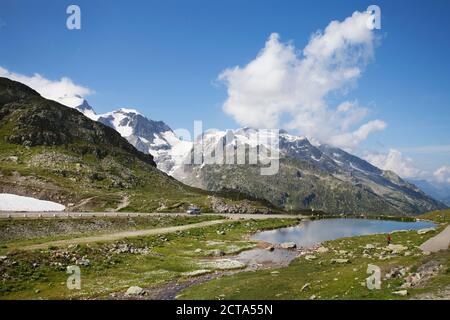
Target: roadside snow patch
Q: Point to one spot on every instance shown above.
(12, 202)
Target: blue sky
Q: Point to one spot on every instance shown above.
(163, 58)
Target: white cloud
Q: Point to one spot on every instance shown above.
(281, 81)
(350, 140)
(442, 174)
(396, 162)
(63, 91)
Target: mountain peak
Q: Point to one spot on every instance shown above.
(84, 106)
(86, 109)
(128, 111)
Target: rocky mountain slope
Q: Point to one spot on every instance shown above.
(53, 152)
(313, 177)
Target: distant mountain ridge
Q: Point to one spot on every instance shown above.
(310, 177)
(316, 177)
(439, 191)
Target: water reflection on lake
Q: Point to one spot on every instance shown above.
(309, 233)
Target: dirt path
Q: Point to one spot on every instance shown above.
(123, 203)
(122, 235)
(438, 242)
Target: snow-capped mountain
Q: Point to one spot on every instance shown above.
(320, 177)
(148, 136)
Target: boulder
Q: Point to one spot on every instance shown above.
(322, 250)
(396, 248)
(288, 245)
(135, 291)
(423, 274)
(402, 293)
(340, 261)
(426, 230)
(216, 252)
(305, 287)
(396, 272)
(83, 262)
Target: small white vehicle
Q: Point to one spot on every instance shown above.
(193, 210)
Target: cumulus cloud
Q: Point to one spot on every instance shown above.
(395, 161)
(350, 140)
(63, 91)
(281, 81)
(442, 174)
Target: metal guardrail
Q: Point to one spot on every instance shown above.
(36, 215)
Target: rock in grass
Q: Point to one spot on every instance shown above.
(289, 245)
(340, 261)
(134, 291)
(83, 262)
(396, 248)
(426, 230)
(275, 272)
(216, 253)
(310, 257)
(322, 250)
(305, 287)
(396, 272)
(402, 293)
